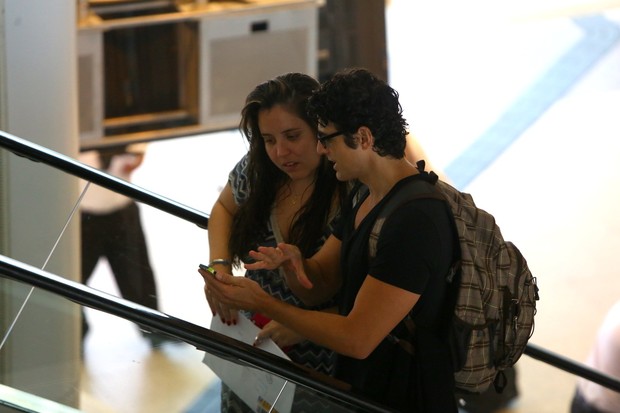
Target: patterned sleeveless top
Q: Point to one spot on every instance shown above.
(306, 353)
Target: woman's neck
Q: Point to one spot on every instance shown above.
(299, 187)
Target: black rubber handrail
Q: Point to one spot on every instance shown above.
(67, 164)
(571, 366)
(202, 338)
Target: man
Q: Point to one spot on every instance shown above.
(362, 132)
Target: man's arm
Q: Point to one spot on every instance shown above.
(378, 308)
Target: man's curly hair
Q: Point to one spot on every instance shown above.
(355, 97)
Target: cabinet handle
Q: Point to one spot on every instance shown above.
(260, 26)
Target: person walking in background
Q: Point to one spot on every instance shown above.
(111, 229)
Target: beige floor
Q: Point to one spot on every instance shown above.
(554, 192)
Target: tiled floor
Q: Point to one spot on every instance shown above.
(521, 112)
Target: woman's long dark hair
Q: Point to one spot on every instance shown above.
(249, 226)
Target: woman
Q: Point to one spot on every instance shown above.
(281, 191)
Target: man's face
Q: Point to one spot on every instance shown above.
(331, 144)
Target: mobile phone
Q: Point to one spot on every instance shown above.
(208, 269)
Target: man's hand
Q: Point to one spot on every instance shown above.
(284, 337)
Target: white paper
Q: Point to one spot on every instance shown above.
(258, 389)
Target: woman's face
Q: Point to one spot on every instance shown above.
(290, 142)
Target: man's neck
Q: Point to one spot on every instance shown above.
(384, 174)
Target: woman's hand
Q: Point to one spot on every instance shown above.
(228, 314)
(233, 292)
(286, 255)
(282, 336)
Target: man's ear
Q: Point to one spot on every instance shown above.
(367, 140)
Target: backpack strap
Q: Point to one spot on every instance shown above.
(424, 188)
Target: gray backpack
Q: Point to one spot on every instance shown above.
(496, 299)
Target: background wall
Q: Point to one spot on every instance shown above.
(38, 103)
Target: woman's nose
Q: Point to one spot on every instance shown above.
(282, 148)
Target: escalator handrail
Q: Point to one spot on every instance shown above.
(38, 153)
(570, 366)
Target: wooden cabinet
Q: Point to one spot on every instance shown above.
(154, 70)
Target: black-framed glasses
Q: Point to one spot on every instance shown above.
(324, 139)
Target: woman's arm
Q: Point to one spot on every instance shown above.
(414, 153)
(220, 222)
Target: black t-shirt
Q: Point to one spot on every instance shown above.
(415, 250)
